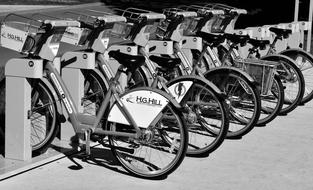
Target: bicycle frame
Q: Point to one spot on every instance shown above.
(77, 119)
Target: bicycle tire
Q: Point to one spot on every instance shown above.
(294, 87)
(210, 140)
(210, 129)
(95, 88)
(240, 123)
(272, 103)
(217, 76)
(42, 98)
(304, 61)
(128, 150)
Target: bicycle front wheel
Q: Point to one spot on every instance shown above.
(158, 152)
(272, 102)
(95, 88)
(304, 62)
(244, 101)
(292, 80)
(209, 128)
(207, 119)
(43, 117)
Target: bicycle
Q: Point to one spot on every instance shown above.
(303, 60)
(242, 120)
(160, 68)
(290, 75)
(128, 133)
(271, 101)
(201, 140)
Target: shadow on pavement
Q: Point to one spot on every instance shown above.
(102, 157)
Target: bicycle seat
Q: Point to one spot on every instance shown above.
(259, 43)
(165, 62)
(237, 38)
(213, 39)
(131, 62)
(281, 32)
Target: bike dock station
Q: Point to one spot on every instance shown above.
(18, 156)
(19, 72)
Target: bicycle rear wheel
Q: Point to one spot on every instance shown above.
(158, 152)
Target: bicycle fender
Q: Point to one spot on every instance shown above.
(143, 103)
(56, 98)
(223, 70)
(100, 74)
(276, 57)
(148, 76)
(179, 86)
(290, 51)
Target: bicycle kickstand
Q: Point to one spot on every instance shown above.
(87, 141)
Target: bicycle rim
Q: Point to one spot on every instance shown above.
(272, 102)
(210, 129)
(292, 80)
(244, 102)
(158, 155)
(43, 117)
(305, 63)
(94, 92)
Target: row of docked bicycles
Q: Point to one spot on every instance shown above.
(183, 91)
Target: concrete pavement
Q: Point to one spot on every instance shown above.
(275, 157)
